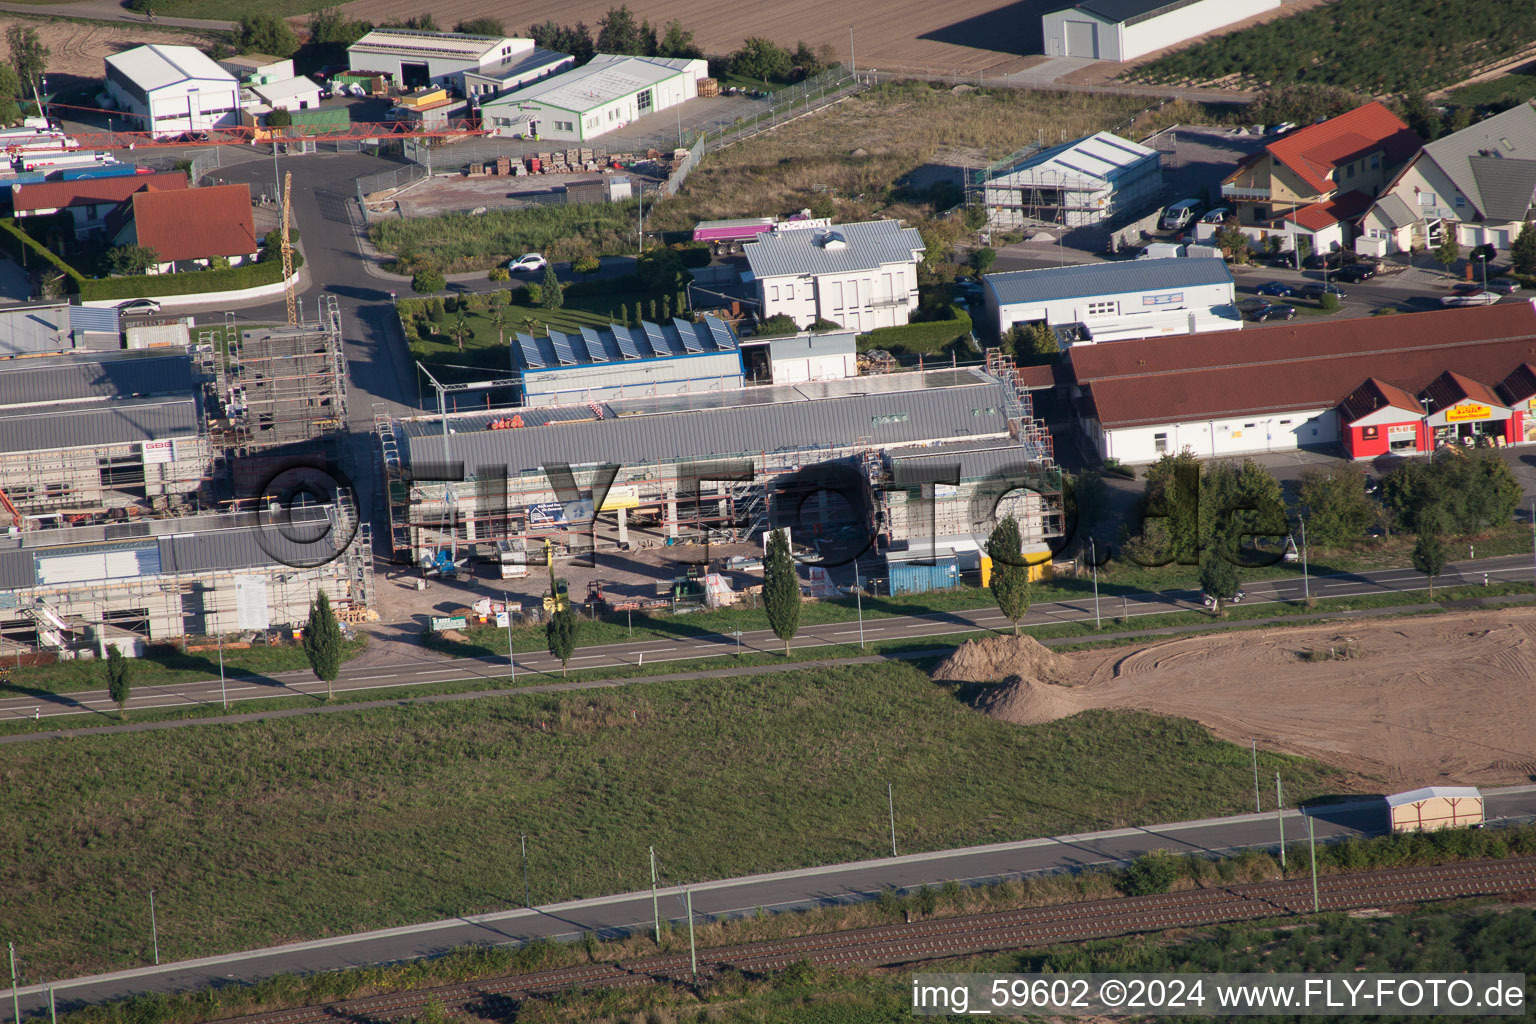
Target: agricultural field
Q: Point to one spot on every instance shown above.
(297, 828)
(1370, 47)
(77, 48)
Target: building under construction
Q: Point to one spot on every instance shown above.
(1094, 180)
(84, 436)
(63, 590)
(723, 465)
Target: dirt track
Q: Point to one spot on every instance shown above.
(1439, 699)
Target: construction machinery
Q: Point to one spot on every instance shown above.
(287, 247)
(598, 601)
(558, 597)
(17, 523)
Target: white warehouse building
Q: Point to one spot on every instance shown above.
(415, 58)
(1087, 181)
(859, 276)
(607, 93)
(1115, 301)
(173, 89)
(1126, 29)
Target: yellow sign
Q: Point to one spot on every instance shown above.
(622, 496)
(1467, 413)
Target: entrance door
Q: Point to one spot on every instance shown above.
(414, 75)
(1082, 39)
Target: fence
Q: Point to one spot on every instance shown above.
(385, 180)
(789, 103)
(676, 178)
(1022, 80)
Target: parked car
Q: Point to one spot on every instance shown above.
(527, 263)
(1276, 288)
(1217, 216)
(1356, 272)
(1282, 127)
(1504, 285)
(1316, 290)
(139, 306)
(1322, 260)
(1272, 311)
(1286, 258)
(1180, 214)
(1467, 288)
(1473, 299)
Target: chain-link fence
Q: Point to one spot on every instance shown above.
(787, 104)
(384, 181)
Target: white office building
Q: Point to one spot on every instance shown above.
(1115, 301)
(859, 276)
(414, 59)
(173, 89)
(607, 93)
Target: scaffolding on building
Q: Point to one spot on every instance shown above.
(283, 384)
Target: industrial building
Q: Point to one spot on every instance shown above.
(172, 89)
(1126, 29)
(831, 355)
(1115, 301)
(607, 93)
(1436, 377)
(414, 58)
(1435, 807)
(282, 384)
(258, 68)
(82, 434)
(1093, 180)
(530, 66)
(766, 445)
(859, 276)
(70, 590)
(616, 362)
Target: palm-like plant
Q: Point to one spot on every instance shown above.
(499, 320)
(459, 331)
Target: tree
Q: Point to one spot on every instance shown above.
(1523, 252)
(805, 60)
(982, 259)
(1033, 344)
(677, 41)
(118, 683)
(617, 32)
(1418, 115)
(425, 282)
(10, 88)
(279, 118)
(552, 295)
(322, 641)
(1010, 576)
(822, 206)
(329, 27)
(419, 22)
(266, 33)
(662, 271)
(1232, 241)
(761, 58)
(560, 634)
(1447, 252)
(1429, 553)
(1334, 503)
(481, 27)
(460, 330)
(781, 589)
(29, 57)
(130, 260)
(499, 321)
(1218, 577)
(1458, 492)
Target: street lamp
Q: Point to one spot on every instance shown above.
(1482, 262)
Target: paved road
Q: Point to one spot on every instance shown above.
(112, 10)
(651, 649)
(784, 890)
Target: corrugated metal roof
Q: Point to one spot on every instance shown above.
(977, 459)
(533, 60)
(603, 79)
(889, 418)
(248, 548)
(1510, 136)
(616, 343)
(111, 423)
(1117, 278)
(1095, 161)
(408, 42)
(1413, 796)
(870, 245)
(33, 382)
(156, 66)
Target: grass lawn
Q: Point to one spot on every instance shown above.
(296, 828)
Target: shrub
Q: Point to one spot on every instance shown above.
(279, 119)
(428, 281)
(587, 264)
(926, 338)
(695, 254)
(819, 325)
(1328, 301)
(776, 326)
(499, 275)
(1150, 874)
(533, 294)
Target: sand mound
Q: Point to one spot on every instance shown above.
(996, 658)
(1027, 702)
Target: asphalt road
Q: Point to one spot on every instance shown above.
(658, 650)
(785, 890)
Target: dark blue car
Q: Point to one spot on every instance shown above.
(1279, 288)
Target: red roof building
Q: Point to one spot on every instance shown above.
(88, 201)
(191, 226)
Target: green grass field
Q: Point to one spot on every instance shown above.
(296, 828)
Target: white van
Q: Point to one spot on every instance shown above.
(1180, 214)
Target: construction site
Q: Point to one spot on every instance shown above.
(1095, 181)
(830, 460)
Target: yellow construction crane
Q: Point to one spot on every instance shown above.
(293, 309)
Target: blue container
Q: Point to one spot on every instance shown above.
(914, 578)
(100, 171)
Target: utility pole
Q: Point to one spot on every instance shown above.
(890, 799)
(53, 1015)
(223, 693)
(154, 931)
(1306, 582)
(511, 657)
(1533, 540)
(1280, 817)
(858, 597)
(1312, 845)
(1093, 562)
(693, 952)
(1256, 808)
(527, 899)
(15, 1002)
(853, 65)
(655, 906)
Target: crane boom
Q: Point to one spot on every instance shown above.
(287, 246)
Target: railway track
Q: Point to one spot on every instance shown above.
(885, 945)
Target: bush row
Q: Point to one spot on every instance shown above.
(928, 337)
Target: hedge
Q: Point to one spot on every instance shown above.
(18, 245)
(927, 337)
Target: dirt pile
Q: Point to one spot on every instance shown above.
(996, 658)
(1026, 701)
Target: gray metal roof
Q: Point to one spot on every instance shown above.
(1131, 11)
(1115, 278)
(885, 417)
(870, 245)
(532, 60)
(66, 378)
(77, 426)
(1395, 209)
(1506, 186)
(617, 343)
(1507, 136)
(977, 459)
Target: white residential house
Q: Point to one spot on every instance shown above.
(172, 89)
(607, 93)
(415, 58)
(1478, 182)
(1115, 301)
(859, 276)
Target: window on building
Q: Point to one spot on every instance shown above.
(1160, 443)
(1375, 161)
(789, 291)
(1110, 308)
(1349, 172)
(1461, 201)
(887, 418)
(1426, 199)
(1249, 426)
(1285, 423)
(643, 101)
(773, 293)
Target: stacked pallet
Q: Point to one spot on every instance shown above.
(709, 88)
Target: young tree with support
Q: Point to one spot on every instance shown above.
(1429, 551)
(322, 642)
(560, 630)
(118, 685)
(781, 589)
(1010, 576)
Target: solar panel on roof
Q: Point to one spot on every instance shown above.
(626, 342)
(724, 340)
(690, 335)
(530, 351)
(563, 350)
(660, 343)
(597, 352)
